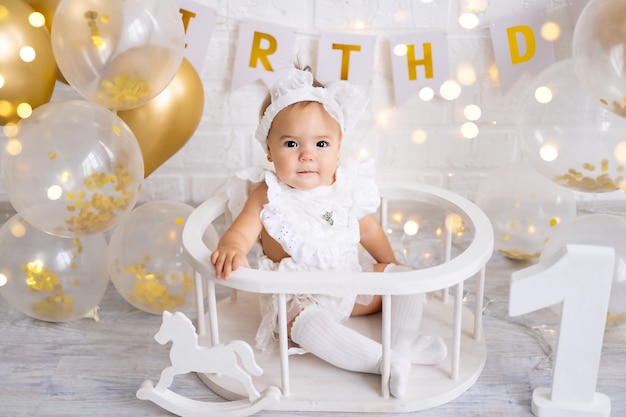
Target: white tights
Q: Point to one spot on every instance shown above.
(316, 330)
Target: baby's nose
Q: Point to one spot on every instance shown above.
(306, 155)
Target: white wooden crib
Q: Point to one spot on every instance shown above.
(305, 383)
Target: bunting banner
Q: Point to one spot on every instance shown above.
(519, 47)
(342, 56)
(263, 51)
(199, 21)
(418, 59)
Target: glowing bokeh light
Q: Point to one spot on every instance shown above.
(549, 152)
(419, 136)
(466, 74)
(472, 112)
(411, 228)
(543, 95)
(469, 130)
(469, 20)
(450, 90)
(550, 31)
(426, 94)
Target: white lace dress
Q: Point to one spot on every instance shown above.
(319, 229)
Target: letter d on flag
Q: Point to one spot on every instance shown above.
(519, 47)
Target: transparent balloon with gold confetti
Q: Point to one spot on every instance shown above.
(72, 169)
(145, 258)
(568, 136)
(51, 278)
(525, 209)
(118, 53)
(601, 230)
(598, 50)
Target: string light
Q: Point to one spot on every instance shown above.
(550, 31)
(469, 20)
(450, 90)
(543, 95)
(469, 130)
(27, 54)
(472, 112)
(24, 110)
(466, 74)
(411, 228)
(36, 19)
(426, 94)
(549, 152)
(18, 230)
(620, 153)
(419, 136)
(400, 49)
(55, 192)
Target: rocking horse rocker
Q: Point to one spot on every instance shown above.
(292, 381)
(187, 356)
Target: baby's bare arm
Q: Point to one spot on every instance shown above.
(374, 240)
(236, 242)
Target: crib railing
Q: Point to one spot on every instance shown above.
(199, 238)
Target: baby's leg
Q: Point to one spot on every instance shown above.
(317, 331)
(406, 319)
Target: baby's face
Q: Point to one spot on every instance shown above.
(304, 143)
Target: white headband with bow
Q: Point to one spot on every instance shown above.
(344, 102)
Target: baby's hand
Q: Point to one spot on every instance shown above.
(226, 259)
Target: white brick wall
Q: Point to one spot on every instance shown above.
(223, 143)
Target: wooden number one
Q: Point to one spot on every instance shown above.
(579, 277)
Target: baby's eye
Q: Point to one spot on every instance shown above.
(290, 144)
(322, 144)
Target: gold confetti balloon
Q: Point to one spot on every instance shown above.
(598, 51)
(602, 230)
(48, 277)
(568, 136)
(525, 209)
(145, 258)
(118, 53)
(72, 169)
(27, 66)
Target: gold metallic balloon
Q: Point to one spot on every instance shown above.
(47, 9)
(165, 123)
(27, 66)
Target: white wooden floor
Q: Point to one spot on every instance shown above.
(85, 368)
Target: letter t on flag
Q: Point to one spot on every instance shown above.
(199, 21)
(263, 52)
(518, 47)
(342, 56)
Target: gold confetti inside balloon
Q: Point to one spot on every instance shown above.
(525, 209)
(145, 258)
(602, 230)
(568, 136)
(27, 66)
(48, 277)
(598, 51)
(118, 53)
(72, 169)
